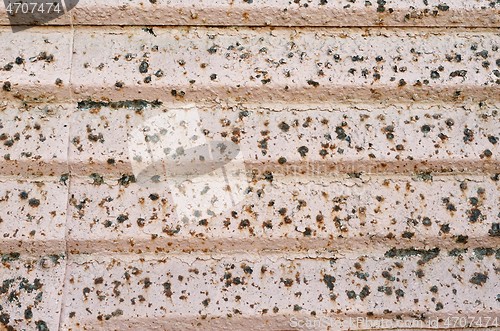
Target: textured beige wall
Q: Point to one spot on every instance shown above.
(266, 165)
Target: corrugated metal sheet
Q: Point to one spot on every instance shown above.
(251, 165)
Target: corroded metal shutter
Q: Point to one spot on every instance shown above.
(268, 165)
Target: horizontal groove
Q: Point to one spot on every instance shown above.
(286, 322)
(151, 28)
(277, 13)
(332, 202)
(33, 247)
(236, 26)
(228, 245)
(352, 168)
